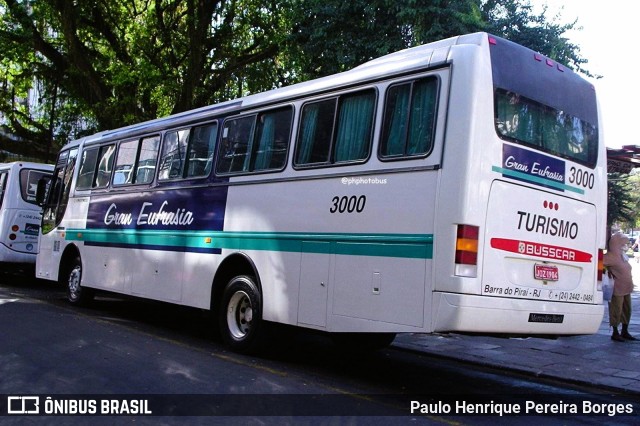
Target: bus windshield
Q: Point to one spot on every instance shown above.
(520, 119)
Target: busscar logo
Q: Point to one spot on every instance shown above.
(23, 405)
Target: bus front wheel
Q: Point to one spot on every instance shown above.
(76, 294)
(240, 316)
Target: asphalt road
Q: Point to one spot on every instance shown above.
(128, 350)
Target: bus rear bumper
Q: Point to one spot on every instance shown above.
(500, 315)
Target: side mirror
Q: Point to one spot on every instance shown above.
(43, 190)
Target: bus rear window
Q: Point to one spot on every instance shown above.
(29, 183)
(522, 120)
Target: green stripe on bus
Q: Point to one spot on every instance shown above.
(536, 179)
(414, 246)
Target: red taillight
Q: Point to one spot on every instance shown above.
(466, 259)
(600, 264)
(467, 245)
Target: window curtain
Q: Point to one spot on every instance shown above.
(354, 127)
(265, 144)
(422, 118)
(308, 133)
(397, 117)
(549, 133)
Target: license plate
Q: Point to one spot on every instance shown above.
(545, 272)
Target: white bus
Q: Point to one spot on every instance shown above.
(20, 215)
(455, 186)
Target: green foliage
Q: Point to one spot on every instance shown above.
(622, 200)
(333, 35)
(102, 64)
(514, 20)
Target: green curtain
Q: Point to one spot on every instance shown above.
(354, 127)
(539, 125)
(422, 117)
(397, 117)
(308, 133)
(264, 152)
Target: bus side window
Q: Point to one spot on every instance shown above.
(354, 127)
(314, 142)
(125, 161)
(201, 150)
(146, 166)
(105, 165)
(272, 139)
(409, 119)
(234, 149)
(3, 185)
(174, 151)
(87, 168)
(336, 130)
(136, 161)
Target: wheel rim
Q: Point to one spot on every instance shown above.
(239, 315)
(74, 282)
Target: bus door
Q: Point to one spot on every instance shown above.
(53, 232)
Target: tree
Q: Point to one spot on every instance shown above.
(103, 64)
(622, 202)
(107, 63)
(624, 199)
(333, 35)
(514, 20)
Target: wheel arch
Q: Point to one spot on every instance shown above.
(70, 252)
(235, 264)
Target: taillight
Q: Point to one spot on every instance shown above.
(600, 264)
(466, 261)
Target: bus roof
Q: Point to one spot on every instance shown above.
(27, 164)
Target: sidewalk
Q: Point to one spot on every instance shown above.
(593, 360)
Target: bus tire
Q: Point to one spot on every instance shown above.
(240, 315)
(76, 294)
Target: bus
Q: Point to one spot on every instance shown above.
(20, 215)
(457, 186)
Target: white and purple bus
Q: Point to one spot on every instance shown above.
(454, 186)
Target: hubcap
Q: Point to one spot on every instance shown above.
(239, 315)
(74, 281)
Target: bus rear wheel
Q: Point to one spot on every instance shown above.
(76, 294)
(240, 315)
